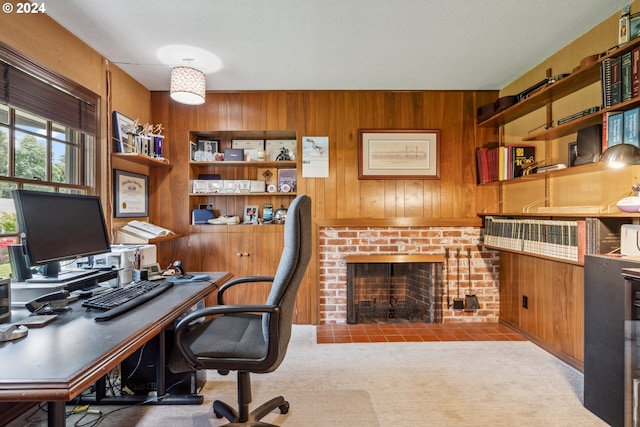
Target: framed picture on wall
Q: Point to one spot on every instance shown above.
(398, 154)
(131, 194)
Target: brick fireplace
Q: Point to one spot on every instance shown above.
(338, 242)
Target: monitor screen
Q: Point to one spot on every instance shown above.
(58, 226)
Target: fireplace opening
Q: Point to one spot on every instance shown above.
(392, 290)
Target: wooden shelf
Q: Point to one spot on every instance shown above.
(566, 86)
(288, 163)
(239, 194)
(513, 251)
(141, 159)
(561, 214)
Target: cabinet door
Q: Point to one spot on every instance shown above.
(209, 251)
(255, 251)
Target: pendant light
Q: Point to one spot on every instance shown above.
(188, 85)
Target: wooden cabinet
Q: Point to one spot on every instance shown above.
(244, 250)
(553, 294)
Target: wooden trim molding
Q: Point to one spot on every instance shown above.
(399, 222)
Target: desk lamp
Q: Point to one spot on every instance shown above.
(620, 155)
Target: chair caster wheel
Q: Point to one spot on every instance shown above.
(217, 414)
(284, 409)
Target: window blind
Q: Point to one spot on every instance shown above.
(24, 91)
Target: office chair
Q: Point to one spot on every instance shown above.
(249, 338)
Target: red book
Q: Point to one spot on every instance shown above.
(635, 72)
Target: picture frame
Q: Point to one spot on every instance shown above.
(398, 154)
(122, 127)
(206, 150)
(250, 214)
(248, 144)
(131, 194)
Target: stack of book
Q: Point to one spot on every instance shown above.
(500, 163)
(620, 78)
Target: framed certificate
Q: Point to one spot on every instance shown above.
(273, 147)
(248, 144)
(131, 194)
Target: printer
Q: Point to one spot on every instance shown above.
(121, 258)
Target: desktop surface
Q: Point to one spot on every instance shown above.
(60, 360)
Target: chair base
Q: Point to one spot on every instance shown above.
(222, 409)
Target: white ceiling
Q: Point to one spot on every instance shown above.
(332, 44)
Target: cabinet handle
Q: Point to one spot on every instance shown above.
(240, 254)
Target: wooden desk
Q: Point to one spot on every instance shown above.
(59, 361)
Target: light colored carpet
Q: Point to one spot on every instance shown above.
(391, 384)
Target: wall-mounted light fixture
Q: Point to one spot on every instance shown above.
(188, 85)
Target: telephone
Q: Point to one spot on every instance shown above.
(145, 230)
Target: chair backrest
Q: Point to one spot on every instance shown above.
(291, 269)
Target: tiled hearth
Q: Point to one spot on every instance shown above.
(336, 242)
(416, 332)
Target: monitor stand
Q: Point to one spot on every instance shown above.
(53, 274)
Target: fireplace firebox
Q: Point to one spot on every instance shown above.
(394, 288)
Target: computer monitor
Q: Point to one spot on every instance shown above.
(57, 227)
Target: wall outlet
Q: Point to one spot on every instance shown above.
(525, 301)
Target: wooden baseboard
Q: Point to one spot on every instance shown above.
(547, 347)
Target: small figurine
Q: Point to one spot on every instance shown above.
(284, 155)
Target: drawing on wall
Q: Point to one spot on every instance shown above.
(398, 154)
(315, 156)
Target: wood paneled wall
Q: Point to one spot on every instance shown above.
(338, 115)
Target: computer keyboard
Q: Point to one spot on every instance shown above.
(123, 299)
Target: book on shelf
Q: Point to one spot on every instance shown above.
(519, 156)
(635, 73)
(616, 80)
(605, 81)
(615, 129)
(287, 180)
(625, 77)
(631, 120)
(568, 239)
(603, 234)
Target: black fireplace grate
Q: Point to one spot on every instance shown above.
(372, 309)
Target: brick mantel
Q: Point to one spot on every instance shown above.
(339, 238)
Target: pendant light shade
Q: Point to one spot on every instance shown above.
(620, 155)
(188, 85)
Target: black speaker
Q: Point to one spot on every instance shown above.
(19, 267)
(589, 145)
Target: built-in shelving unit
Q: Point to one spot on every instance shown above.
(234, 203)
(542, 296)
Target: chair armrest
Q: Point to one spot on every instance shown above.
(238, 281)
(185, 323)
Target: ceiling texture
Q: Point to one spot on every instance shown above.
(331, 44)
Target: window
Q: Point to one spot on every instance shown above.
(48, 128)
